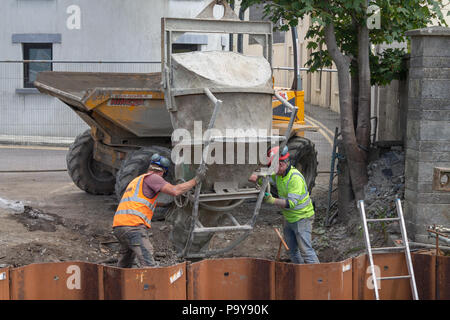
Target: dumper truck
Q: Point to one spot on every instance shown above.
(134, 115)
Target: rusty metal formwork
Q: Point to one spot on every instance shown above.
(228, 279)
(232, 279)
(390, 264)
(48, 281)
(324, 281)
(4, 284)
(425, 273)
(168, 283)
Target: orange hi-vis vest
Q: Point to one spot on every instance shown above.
(134, 207)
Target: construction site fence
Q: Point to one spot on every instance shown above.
(229, 279)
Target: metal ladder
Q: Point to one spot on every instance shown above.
(405, 246)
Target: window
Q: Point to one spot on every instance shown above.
(256, 13)
(35, 51)
(184, 47)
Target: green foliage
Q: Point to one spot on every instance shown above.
(397, 16)
(387, 66)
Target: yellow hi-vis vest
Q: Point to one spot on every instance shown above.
(293, 187)
(135, 208)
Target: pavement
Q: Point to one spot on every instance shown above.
(327, 121)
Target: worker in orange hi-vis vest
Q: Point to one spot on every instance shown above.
(135, 211)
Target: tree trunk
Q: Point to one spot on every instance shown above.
(355, 94)
(363, 123)
(355, 157)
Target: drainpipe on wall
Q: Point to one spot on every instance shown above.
(297, 83)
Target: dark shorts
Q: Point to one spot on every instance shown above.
(134, 243)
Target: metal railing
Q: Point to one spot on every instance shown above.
(28, 117)
(285, 75)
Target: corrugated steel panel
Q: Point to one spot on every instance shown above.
(389, 265)
(358, 277)
(168, 283)
(443, 277)
(60, 281)
(4, 284)
(323, 281)
(232, 279)
(425, 275)
(229, 279)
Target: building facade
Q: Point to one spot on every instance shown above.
(389, 102)
(76, 31)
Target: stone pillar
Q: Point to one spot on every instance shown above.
(428, 131)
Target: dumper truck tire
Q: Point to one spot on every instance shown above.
(303, 156)
(87, 173)
(135, 164)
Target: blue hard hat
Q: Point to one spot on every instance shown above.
(161, 161)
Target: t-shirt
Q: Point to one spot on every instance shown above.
(153, 183)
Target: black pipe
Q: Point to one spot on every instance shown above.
(297, 82)
(230, 40)
(240, 40)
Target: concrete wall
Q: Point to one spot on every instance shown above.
(107, 30)
(428, 130)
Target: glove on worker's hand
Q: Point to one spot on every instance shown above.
(268, 198)
(200, 174)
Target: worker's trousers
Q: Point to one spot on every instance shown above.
(134, 243)
(298, 239)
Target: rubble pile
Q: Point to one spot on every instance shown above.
(386, 183)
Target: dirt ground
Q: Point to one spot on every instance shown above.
(62, 223)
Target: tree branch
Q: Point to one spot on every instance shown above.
(333, 49)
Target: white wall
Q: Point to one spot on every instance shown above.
(110, 30)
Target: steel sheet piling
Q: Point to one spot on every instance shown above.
(230, 279)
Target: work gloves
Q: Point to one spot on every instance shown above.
(268, 198)
(200, 174)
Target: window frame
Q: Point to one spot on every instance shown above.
(26, 46)
(185, 47)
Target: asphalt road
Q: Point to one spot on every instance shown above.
(26, 158)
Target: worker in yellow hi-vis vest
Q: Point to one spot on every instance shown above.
(296, 207)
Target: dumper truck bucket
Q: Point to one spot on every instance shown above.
(131, 101)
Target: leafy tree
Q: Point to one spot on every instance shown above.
(339, 34)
